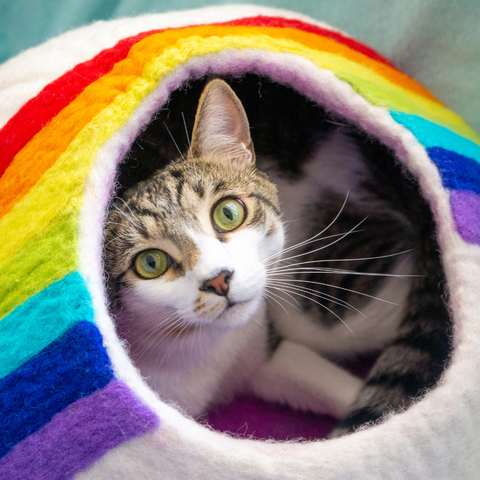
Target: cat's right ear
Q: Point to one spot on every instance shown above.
(221, 127)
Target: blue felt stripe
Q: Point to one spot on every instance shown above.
(457, 172)
(42, 319)
(430, 134)
(74, 366)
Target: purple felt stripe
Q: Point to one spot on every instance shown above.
(79, 435)
(466, 214)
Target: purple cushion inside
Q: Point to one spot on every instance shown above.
(247, 416)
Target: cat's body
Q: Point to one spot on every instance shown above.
(187, 285)
(286, 354)
(389, 297)
(332, 190)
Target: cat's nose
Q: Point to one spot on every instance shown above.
(218, 284)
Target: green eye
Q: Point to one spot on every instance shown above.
(152, 263)
(229, 214)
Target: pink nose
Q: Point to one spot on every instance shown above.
(218, 284)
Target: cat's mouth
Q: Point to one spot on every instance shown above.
(230, 306)
(231, 303)
(184, 330)
(234, 312)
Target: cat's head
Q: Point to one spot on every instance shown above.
(191, 243)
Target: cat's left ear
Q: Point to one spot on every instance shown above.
(221, 127)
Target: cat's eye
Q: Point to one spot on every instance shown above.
(228, 214)
(152, 263)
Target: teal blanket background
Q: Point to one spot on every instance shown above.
(435, 41)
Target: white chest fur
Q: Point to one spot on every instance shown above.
(205, 366)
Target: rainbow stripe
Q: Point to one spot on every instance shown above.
(47, 153)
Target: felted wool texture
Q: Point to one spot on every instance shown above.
(56, 96)
(457, 171)
(251, 417)
(79, 435)
(77, 113)
(72, 124)
(45, 259)
(432, 135)
(466, 212)
(398, 78)
(42, 319)
(70, 368)
(49, 103)
(434, 439)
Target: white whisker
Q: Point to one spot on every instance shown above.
(279, 267)
(188, 142)
(308, 242)
(271, 298)
(286, 290)
(286, 301)
(129, 209)
(174, 142)
(122, 225)
(322, 295)
(340, 271)
(115, 238)
(305, 242)
(186, 130)
(128, 217)
(340, 288)
(342, 236)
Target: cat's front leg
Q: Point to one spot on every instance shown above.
(302, 379)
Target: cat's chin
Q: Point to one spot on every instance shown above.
(238, 313)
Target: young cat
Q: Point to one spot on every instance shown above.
(187, 256)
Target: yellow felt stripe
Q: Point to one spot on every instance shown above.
(328, 45)
(45, 259)
(337, 63)
(362, 78)
(43, 149)
(393, 99)
(61, 187)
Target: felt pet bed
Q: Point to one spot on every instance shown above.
(71, 403)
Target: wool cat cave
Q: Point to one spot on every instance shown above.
(73, 405)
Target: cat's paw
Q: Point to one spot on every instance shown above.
(297, 376)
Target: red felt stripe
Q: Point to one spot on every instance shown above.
(262, 21)
(38, 111)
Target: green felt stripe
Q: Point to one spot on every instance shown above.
(47, 258)
(410, 103)
(41, 320)
(432, 135)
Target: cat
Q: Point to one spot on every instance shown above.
(187, 255)
(359, 273)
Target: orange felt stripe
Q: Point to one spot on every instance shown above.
(45, 147)
(331, 46)
(309, 40)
